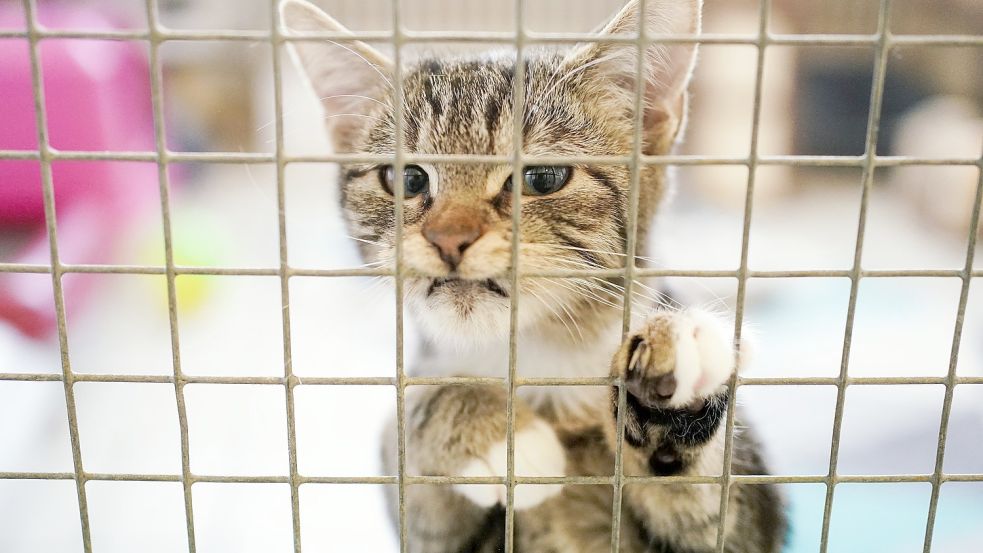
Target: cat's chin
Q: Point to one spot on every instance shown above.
(464, 313)
(464, 290)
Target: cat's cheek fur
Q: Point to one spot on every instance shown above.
(538, 452)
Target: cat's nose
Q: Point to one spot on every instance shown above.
(452, 234)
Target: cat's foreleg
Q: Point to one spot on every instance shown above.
(675, 369)
(461, 431)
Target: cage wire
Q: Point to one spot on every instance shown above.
(882, 41)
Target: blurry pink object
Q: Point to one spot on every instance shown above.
(97, 98)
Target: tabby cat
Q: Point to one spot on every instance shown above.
(456, 248)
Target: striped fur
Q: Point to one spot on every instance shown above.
(579, 102)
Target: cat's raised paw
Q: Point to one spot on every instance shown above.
(677, 359)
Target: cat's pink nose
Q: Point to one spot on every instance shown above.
(453, 232)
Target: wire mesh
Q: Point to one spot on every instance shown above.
(160, 144)
(883, 41)
(873, 128)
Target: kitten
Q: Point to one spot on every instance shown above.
(456, 248)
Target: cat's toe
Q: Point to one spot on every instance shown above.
(677, 359)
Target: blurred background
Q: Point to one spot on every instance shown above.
(218, 96)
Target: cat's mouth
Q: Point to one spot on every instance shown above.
(461, 285)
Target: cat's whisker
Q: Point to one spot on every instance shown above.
(581, 265)
(375, 292)
(655, 302)
(367, 241)
(291, 112)
(580, 291)
(372, 264)
(555, 313)
(532, 249)
(588, 291)
(717, 299)
(566, 310)
(577, 262)
(617, 295)
(334, 115)
(560, 302)
(597, 283)
(657, 297)
(252, 179)
(327, 117)
(651, 289)
(602, 252)
(367, 62)
(716, 306)
(369, 289)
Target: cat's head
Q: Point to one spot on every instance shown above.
(457, 217)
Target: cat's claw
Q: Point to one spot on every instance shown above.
(538, 452)
(677, 359)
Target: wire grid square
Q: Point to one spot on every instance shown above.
(140, 418)
(154, 514)
(883, 41)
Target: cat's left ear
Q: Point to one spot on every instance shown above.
(349, 77)
(667, 66)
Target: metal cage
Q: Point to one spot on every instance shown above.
(883, 41)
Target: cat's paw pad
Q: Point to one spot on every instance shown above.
(677, 359)
(538, 452)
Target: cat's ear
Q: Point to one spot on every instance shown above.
(667, 67)
(350, 78)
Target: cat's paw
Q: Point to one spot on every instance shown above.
(538, 452)
(677, 359)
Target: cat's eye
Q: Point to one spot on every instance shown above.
(415, 180)
(540, 180)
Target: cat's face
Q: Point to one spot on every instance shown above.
(457, 231)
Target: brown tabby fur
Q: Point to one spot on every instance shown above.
(576, 104)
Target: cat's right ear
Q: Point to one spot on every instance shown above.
(349, 77)
(612, 67)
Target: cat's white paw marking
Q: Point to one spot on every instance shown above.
(697, 360)
(704, 355)
(538, 452)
